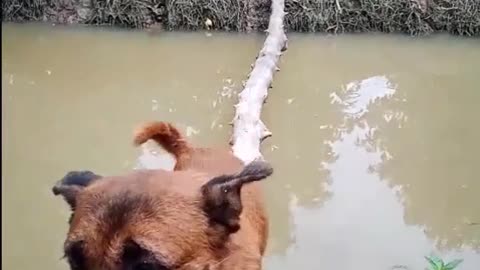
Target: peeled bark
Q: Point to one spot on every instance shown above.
(248, 130)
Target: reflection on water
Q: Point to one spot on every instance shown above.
(361, 224)
(358, 96)
(375, 143)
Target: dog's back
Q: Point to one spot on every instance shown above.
(206, 214)
(253, 222)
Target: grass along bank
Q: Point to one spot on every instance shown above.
(412, 17)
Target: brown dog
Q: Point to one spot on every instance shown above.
(199, 216)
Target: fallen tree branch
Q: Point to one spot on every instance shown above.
(248, 130)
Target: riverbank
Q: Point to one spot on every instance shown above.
(412, 17)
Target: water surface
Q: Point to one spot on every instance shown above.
(375, 138)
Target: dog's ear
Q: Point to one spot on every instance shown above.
(222, 195)
(72, 183)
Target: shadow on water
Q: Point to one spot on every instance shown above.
(371, 170)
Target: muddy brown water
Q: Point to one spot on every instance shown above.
(375, 147)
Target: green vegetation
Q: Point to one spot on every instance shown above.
(438, 264)
(413, 17)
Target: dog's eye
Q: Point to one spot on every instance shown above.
(137, 258)
(148, 266)
(75, 256)
(144, 266)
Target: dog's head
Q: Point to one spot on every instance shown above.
(153, 219)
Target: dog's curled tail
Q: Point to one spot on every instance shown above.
(165, 134)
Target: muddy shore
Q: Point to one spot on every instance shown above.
(412, 17)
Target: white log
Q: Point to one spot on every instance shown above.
(248, 130)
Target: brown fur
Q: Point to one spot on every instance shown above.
(170, 218)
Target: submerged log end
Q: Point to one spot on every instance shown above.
(247, 153)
